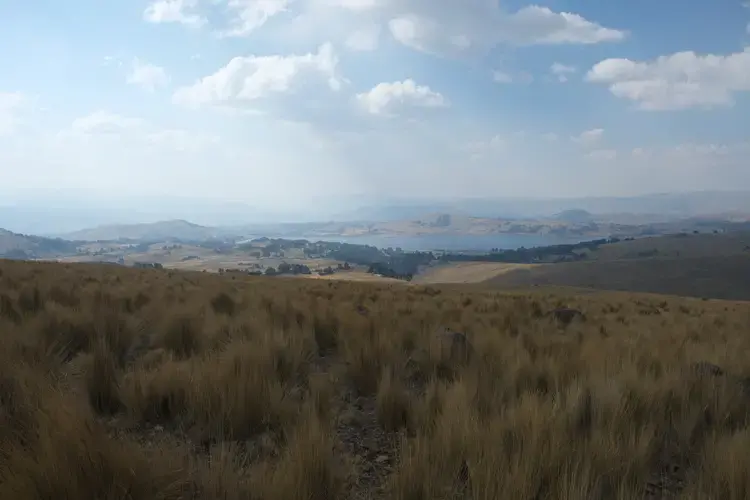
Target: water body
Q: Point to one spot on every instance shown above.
(452, 242)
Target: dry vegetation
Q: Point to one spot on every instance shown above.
(717, 277)
(466, 272)
(125, 384)
(677, 245)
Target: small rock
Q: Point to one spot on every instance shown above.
(381, 459)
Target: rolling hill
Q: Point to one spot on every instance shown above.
(720, 276)
(676, 246)
(21, 246)
(164, 230)
(699, 265)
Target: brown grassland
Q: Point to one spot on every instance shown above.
(718, 277)
(466, 272)
(143, 384)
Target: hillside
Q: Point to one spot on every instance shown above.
(720, 277)
(155, 231)
(121, 383)
(677, 246)
(465, 272)
(20, 246)
(12, 241)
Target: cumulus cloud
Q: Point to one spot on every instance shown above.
(147, 76)
(386, 98)
(10, 104)
(677, 81)
(174, 11)
(561, 71)
(451, 27)
(249, 15)
(241, 17)
(589, 137)
(540, 25)
(443, 27)
(253, 78)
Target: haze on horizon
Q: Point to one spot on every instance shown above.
(282, 105)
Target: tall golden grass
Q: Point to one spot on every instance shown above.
(145, 384)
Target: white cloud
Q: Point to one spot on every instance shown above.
(243, 17)
(10, 104)
(451, 27)
(562, 71)
(364, 39)
(249, 15)
(445, 27)
(677, 81)
(412, 31)
(252, 78)
(589, 137)
(540, 25)
(385, 97)
(147, 76)
(356, 5)
(173, 11)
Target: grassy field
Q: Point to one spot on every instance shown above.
(466, 272)
(195, 258)
(357, 276)
(677, 246)
(721, 277)
(118, 383)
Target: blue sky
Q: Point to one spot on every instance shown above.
(275, 102)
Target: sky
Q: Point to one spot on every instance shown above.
(285, 103)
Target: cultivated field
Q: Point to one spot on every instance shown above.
(195, 258)
(118, 383)
(466, 272)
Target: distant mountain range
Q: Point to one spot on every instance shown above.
(666, 206)
(107, 220)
